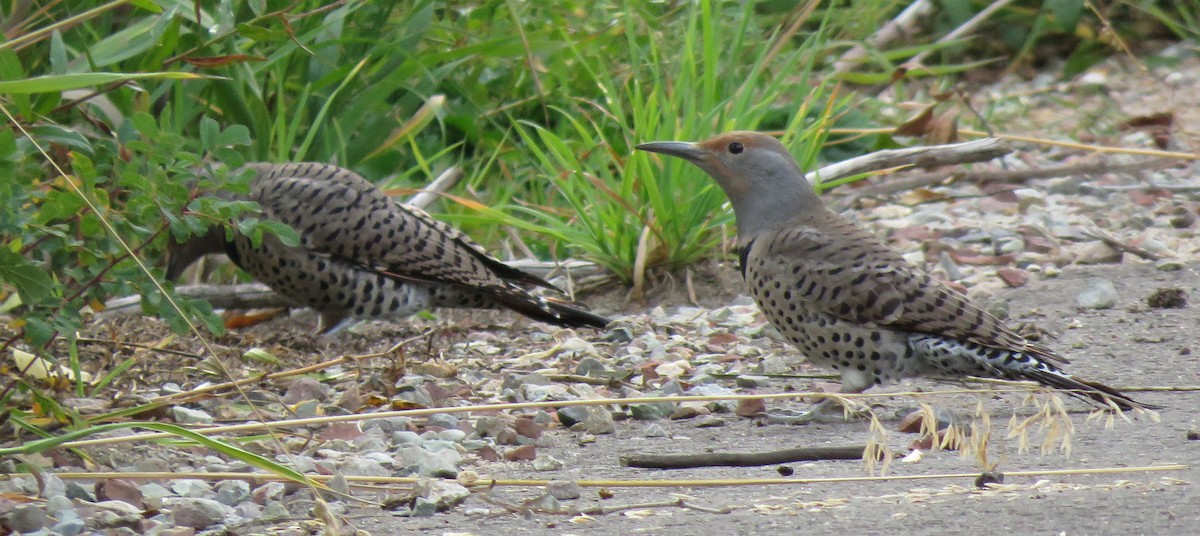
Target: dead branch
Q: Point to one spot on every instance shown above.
(903, 25)
(439, 186)
(1117, 243)
(965, 27)
(926, 180)
(679, 503)
(247, 296)
(741, 459)
(921, 157)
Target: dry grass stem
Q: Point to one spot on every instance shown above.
(484, 482)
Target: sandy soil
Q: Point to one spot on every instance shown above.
(1130, 345)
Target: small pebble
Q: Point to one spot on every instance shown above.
(564, 490)
(1101, 294)
(655, 430)
(545, 462)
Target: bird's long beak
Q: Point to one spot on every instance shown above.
(683, 149)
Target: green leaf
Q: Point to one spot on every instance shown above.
(261, 34)
(147, 5)
(234, 136)
(1066, 13)
(33, 284)
(59, 205)
(286, 234)
(209, 131)
(65, 82)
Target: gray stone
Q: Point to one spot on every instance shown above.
(183, 415)
(590, 366)
(599, 421)
(358, 466)
(1099, 253)
(445, 495)
(1100, 294)
(27, 518)
(389, 425)
(232, 492)
(57, 504)
(405, 437)
(423, 507)
(191, 487)
(268, 493)
(546, 503)
(651, 411)
(438, 445)
(68, 527)
(542, 393)
(444, 420)
(415, 394)
(442, 464)
(571, 415)
(774, 364)
(248, 510)
(546, 462)
(198, 513)
(76, 491)
(655, 430)
(275, 510)
(455, 435)
(305, 388)
(563, 490)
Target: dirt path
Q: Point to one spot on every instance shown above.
(1129, 345)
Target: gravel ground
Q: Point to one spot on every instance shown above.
(1024, 248)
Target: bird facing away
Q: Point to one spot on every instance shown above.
(363, 255)
(847, 300)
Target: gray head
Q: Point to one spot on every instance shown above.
(757, 173)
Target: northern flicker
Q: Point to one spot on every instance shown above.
(363, 255)
(847, 300)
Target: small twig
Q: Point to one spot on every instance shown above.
(677, 503)
(246, 296)
(148, 347)
(439, 186)
(741, 459)
(644, 483)
(576, 378)
(964, 28)
(902, 26)
(1150, 186)
(922, 157)
(734, 376)
(1117, 243)
(1160, 388)
(1010, 176)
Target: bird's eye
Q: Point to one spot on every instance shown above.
(736, 148)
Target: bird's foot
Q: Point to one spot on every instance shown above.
(826, 411)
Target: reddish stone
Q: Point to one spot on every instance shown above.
(523, 453)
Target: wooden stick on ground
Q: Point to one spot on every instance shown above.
(923, 157)
(741, 459)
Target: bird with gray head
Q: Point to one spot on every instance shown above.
(847, 300)
(363, 255)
